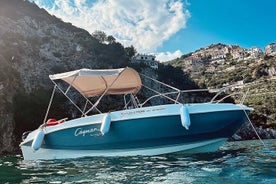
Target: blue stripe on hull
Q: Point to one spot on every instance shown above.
(147, 132)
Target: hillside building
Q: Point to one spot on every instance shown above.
(147, 59)
(255, 52)
(270, 49)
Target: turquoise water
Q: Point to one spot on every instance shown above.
(237, 162)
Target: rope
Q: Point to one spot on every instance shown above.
(254, 128)
(160, 82)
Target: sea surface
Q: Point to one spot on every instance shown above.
(236, 162)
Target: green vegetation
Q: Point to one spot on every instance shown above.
(257, 72)
(175, 76)
(262, 98)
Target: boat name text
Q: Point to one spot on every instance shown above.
(90, 132)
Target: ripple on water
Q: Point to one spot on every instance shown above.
(236, 162)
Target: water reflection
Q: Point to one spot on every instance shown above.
(238, 162)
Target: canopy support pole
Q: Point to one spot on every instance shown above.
(107, 88)
(134, 101)
(49, 105)
(68, 98)
(70, 85)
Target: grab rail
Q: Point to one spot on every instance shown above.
(213, 100)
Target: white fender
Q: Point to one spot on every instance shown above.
(105, 124)
(38, 139)
(185, 117)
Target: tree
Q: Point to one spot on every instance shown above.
(100, 35)
(130, 51)
(228, 56)
(110, 39)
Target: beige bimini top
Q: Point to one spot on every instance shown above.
(97, 82)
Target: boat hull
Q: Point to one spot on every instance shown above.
(144, 131)
(188, 148)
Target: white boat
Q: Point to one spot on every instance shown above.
(136, 129)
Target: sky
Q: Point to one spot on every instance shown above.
(171, 28)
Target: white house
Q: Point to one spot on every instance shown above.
(255, 52)
(147, 59)
(270, 49)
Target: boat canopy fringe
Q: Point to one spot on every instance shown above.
(97, 82)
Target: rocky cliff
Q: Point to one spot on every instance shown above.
(34, 44)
